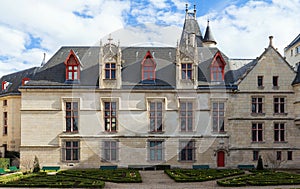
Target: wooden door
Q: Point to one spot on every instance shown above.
(221, 159)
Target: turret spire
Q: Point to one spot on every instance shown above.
(208, 37)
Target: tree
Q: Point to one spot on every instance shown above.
(260, 165)
(36, 165)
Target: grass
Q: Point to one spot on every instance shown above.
(190, 175)
(262, 178)
(85, 178)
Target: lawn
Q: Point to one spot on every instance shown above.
(191, 175)
(263, 178)
(87, 178)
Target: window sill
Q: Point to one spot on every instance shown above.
(219, 133)
(280, 114)
(70, 161)
(187, 161)
(188, 132)
(258, 142)
(114, 79)
(258, 114)
(110, 132)
(280, 142)
(260, 87)
(109, 161)
(70, 132)
(156, 132)
(275, 87)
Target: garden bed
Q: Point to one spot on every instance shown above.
(262, 178)
(190, 175)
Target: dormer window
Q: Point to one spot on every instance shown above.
(110, 70)
(217, 68)
(5, 84)
(186, 70)
(25, 81)
(72, 67)
(148, 67)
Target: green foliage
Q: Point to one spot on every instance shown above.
(191, 175)
(4, 163)
(262, 178)
(118, 176)
(36, 165)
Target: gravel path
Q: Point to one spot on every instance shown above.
(159, 180)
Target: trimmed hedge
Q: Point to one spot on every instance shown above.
(262, 178)
(191, 175)
(118, 176)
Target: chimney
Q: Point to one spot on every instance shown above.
(271, 41)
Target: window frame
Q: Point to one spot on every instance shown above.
(110, 116)
(156, 116)
(187, 149)
(257, 106)
(278, 105)
(279, 132)
(186, 114)
(71, 148)
(5, 102)
(257, 132)
(5, 123)
(216, 116)
(110, 70)
(155, 149)
(148, 67)
(74, 113)
(255, 155)
(72, 65)
(260, 81)
(187, 71)
(278, 155)
(110, 148)
(275, 81)
(289, 155)
(217, 70)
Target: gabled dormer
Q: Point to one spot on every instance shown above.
(110, 65)
(72, 64)
(5, 85)
(148, 68)
(217, 68)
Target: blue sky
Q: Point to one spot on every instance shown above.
(241, 27)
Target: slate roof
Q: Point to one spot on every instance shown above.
(15, 80)
(208, 36)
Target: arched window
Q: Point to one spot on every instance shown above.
(217, 68)
(72, 67)
(148, 67)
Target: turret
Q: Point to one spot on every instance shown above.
(208, 39)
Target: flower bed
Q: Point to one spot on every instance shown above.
(190, 175)
(119, 175)
(262, 179)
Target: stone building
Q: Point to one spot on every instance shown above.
(145, 106)
(292, 52)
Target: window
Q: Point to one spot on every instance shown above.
(25, 81)
(257, 132)
(4, 102)
(72, 67)
(70, 151)
(298, 50)
(218, 117)
(5, 123)
(279, 132)
(186, 70)
(260, 80)
(5, 84)
(257, 105)
(156, 150)
(148, 67)
(110, 71)
(279, 105)
(292, 52)
(187, 151)
(289, 155)
(275, 81)
(72, 116)
(186, 116)
(110, 116)
(217, 70)
(110, 150)
(255, 155)
(156, 116)
(278, 155)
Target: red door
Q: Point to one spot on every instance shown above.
(221, 159)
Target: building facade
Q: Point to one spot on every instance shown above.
(292, 52)
(145, 106)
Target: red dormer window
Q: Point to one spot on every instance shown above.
(25, 81)
(72, 66)
(148, 67)
(217, 68)
(5, 85)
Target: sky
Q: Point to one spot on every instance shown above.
(30, 28)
